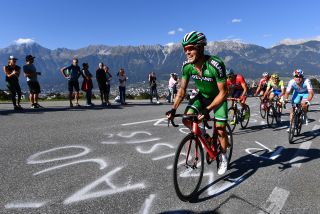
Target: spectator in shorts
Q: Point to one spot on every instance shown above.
(31, 73)
(72, 73)
(173, 82)
(122, 77)
(12, 72)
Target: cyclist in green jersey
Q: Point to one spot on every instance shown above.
(209, 75)
(275, 87)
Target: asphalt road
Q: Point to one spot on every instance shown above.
(119, 159)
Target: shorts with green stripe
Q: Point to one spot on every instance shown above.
(198, 103)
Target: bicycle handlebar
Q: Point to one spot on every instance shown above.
(192, 117)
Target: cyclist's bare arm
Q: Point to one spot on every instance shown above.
(4, 69)
(267, 91)
(245, 88)
(220, 97)
(282, 92)
(310, 95)
(286, 95)
(258, 89)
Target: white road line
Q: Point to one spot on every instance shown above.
(276, 201)
(109, 142)
(263, 146)
(147, 204)
(143, 141)
(300, 153)
(316, 129)
(153, 148)
(164, 156)
(263, 122)
(19, 205)
(276, 153)
(145, 121)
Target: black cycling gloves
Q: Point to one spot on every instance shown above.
(172, 112)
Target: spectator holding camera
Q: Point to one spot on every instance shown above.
(31, 73)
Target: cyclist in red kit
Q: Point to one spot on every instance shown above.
(237, 86)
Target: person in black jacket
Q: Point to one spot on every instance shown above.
(103, 77)
(12, 72)
(87, 78)
(153, 87)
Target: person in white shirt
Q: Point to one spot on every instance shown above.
(302, 92)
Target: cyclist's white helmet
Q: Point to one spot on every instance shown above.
(265, 74)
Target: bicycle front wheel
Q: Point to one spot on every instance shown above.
(278, 115)
(245, 116)
(299, 122)
(270, 116)
(292, 128)
(188, 167)
(232, 117)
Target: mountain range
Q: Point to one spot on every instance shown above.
(138, 61)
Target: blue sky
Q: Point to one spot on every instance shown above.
(79, 23)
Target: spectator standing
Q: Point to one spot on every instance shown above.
(101, 78)
(122, 77)
(153, 87)
(72, 73)
(87, 78)
(31, 73)
(173, 81)
(109, 78)
(12, 72)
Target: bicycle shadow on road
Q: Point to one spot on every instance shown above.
(243, 168)
(305, 136)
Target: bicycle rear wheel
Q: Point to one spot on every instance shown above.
(245, 117)
(232, 118)
(270, 116)
(188, 167)
(263, 110)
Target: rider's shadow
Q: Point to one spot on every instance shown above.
(241, 169)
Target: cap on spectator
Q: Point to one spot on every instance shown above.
(12, 58)
(29, 57)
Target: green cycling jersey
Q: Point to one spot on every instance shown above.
(274, 86)
(213, 72)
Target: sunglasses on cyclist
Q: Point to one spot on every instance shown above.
(296, 76)
(190, 48)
